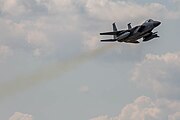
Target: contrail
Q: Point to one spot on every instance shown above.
(49, 72)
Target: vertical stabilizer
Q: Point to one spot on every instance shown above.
(114, 30)
(129, 26)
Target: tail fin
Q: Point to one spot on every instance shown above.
(129, 26)
(114, 30)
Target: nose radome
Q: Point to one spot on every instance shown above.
(156, 23)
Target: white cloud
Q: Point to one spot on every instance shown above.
(175, 116)
(22, 9)
(90, 41)
(84, 89)
(32, 34)
(55, 6)
(101, 9)
(144, 108)
(21, 116)
(103, 117)
(36, 38)
(124, 10)
(159, 73)
(40, 42)
(176, 1)
(5, 51)
(12, 7)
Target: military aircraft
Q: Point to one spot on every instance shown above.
(132, 34)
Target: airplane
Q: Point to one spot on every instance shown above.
(133, 34)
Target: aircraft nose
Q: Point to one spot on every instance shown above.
(157, 23)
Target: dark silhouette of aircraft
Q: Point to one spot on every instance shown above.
(132, 34)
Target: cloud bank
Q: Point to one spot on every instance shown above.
(160, 73)
(144, 108)
(21, 116)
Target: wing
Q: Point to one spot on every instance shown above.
(151, 36)
(136, 42)
(109, 40)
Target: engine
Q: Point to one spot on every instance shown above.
(149, 37)
(123, 36)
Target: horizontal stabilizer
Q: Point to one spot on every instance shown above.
(109, 33)
(109, 40)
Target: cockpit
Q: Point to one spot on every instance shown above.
(150, 20)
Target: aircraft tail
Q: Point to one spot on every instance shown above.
(114, 30)
(129, 26)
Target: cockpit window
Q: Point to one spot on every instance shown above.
(150, 20)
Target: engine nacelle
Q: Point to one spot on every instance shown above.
(150, 37)
(123, 36)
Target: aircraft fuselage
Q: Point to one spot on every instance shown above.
(133, 34)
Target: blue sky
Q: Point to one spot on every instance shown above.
(54, 67)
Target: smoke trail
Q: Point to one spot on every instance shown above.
(49, 72)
